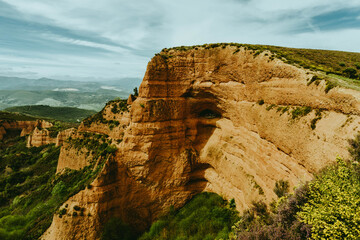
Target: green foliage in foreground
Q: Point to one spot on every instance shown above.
(325, 208)
(30, 191)
(333, 203)
(206, 216)
(26, 182)
(116, 229)
(279, 222)
(66, 114)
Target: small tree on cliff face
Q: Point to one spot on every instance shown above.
(355, 148)
(136, 93)
(281, 188)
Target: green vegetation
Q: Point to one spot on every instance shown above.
(338, 68)
(117, 106)
(98, 145)
(333, 202)
(281, 222)
(350, 73)
(324, 208)
(206, 216)
(282, 109)
(271, 106)
(54, 130)
(261, 102)
(326, 61)
(318, 116)
(300, 112)
(26, 182)
(355, 148)
(60, 126)
(65, 114)
(136, 93)
(281, 188)
(10, 117)
(31, 192)
(116, 229)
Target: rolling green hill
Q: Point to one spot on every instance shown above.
(66, 114)
(15, 117)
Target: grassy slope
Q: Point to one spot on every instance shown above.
(206, 216)
(66, 114)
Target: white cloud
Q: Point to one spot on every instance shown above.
(127, 29)
(85, 43)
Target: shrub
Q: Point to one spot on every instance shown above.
(77, 208)
(237, 50)
(355, 148)
(232, 203)
(333, 203)
(329, 85)
(116, 229)
(261, 102)
(350, 73)
(59, 189)
(206, 216)
(300, 112)
(258, 223)
(270, 107)
(281, 188)
(62, 211)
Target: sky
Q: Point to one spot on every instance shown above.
(114, 39)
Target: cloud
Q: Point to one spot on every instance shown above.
(85, 43)
(117, 37)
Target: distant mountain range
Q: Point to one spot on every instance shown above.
(87, 95)
(65, 114)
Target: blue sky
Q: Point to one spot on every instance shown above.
(112, 39)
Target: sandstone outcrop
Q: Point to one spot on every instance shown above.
(40, 137)
(218, 120)
(21, 128)
(62, 136)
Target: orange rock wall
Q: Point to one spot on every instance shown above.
(197, 126)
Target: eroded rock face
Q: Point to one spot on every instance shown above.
(40, 137)
(21, 128)
(197, 126)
